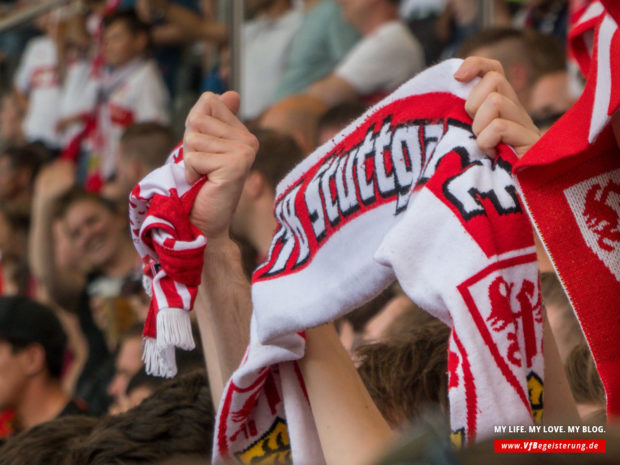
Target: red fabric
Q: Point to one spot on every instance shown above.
(570, 181)
(7, 418)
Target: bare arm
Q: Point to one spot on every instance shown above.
(332, 90)
(223, 309)
(351, 428)
(218, 145)
(559, 404)
(200, 28)
(183, 24)
(62, 285)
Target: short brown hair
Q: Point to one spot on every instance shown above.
(540, 53)
(177, 419)
(150, 143)
(277, 155)
(583, 377)
(406, 375)
(47, 443)
(77, 194)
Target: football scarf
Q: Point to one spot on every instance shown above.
(171, 249)
(570, 181)
(402, 193)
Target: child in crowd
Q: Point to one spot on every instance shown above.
(131, 90)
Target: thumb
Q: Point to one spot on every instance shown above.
(232, 100)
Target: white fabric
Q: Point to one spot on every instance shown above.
(141, 97)
(383, 60)
(37, 77)
(266, 43)
(402, 193)
(78, 97)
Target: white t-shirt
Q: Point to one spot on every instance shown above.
(141, 97)
(266, 43)
(78, 96)
(383, 60)
(37, 77)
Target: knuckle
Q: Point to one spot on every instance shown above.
(496, 99)
(191, 120)
(189, 140)
(499, 125)
(496, 64)
(253, 143)
(470, 107)
(495, 77)
(207, 97)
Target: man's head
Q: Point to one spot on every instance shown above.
(32, 346)
(177, 419)
(18, 168)
(550, 99)
(524, 55)
(125, 37)
(407, 375)
(143, 148)
(93, 226)
(337, 118)
(276, 156)
(14, 226)
(48, 443)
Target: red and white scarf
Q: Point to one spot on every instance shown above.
(402, 193)
(570, 181)
(172, 250)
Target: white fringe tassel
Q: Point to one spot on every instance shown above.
(158, 361)
(174, 328)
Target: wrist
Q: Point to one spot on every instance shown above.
(220, 252)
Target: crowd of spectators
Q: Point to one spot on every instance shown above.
(94, 96)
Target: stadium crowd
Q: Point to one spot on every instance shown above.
(96, 94)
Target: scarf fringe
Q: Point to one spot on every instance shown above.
(174, 328)
(158, 361)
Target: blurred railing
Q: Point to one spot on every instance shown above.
(25, 15)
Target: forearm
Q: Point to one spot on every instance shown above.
(198, 27)
(351, 428)
(559, 404)
(61, 288)
(332, 90)
(223, 309)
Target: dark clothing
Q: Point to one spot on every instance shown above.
(93, 382)
(75, 407)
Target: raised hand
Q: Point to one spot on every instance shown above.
(497, 114)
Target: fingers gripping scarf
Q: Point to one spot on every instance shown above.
(171, 249)
(402, 193)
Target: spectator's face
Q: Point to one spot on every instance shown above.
(93, 231)
(549, 99)
(121, 46)
(128, 362)
(13, 376)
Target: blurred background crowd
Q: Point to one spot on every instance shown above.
(94, 95)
